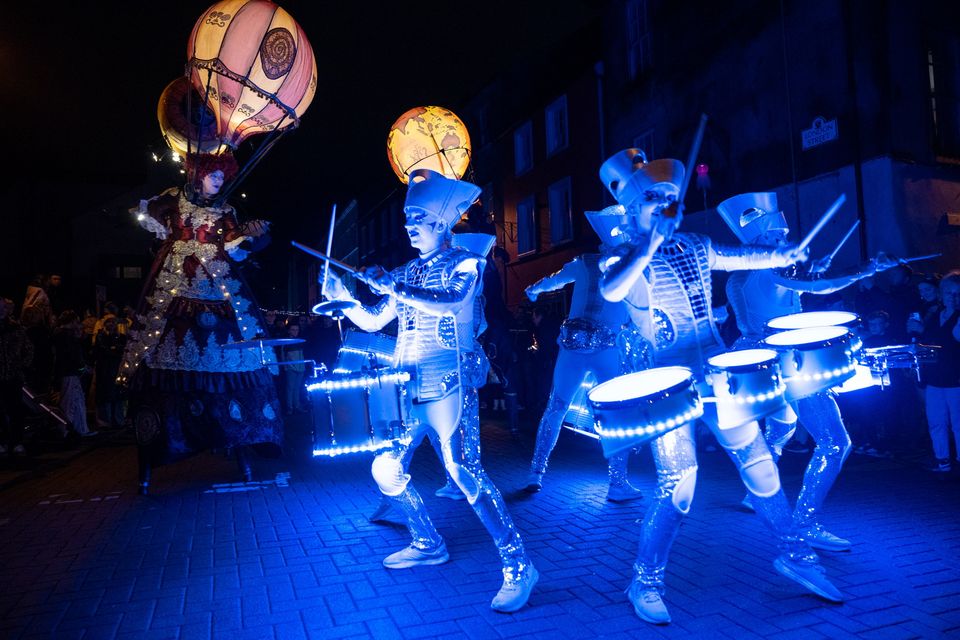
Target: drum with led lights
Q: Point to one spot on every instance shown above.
(360, 411)
(746, 385)
(638, 407)
(809, 319)
(815, 359)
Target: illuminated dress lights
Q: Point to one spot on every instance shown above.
(194, 303)
(666, 284)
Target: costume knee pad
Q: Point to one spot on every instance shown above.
(779, 433)
(682, 496)
(760, 476)
(465, 480)
(388, 473)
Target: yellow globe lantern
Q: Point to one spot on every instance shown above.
(428, 138)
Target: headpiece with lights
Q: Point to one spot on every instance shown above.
(438, 196)
(627, 175)
(750, 215)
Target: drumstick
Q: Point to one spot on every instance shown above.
(326, 265)
(316, 254)
(356, 273)
(676, 207)
(825, 264)
(824, 219)
(836, 250)
(929, 256)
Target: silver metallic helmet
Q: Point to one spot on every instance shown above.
(610, 224)
(434, 194)
(627, 175)
(750, 215)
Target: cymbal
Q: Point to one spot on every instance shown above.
(265, 342)
(334, 307)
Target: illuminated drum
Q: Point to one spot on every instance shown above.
(746, 384)
(810, 319)
(632, 409)
(815, 359)
(356, 412)
(362, 350)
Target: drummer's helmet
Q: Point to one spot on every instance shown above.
(643, 188)
(751, 216)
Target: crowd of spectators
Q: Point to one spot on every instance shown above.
(69, 361)
(73, 361)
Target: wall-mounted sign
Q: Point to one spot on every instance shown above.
(820, 132)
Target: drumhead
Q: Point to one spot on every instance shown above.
(741, 358)
(639, 384)
(814, 319)
(799, 337)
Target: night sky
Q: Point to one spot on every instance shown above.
(80, 83)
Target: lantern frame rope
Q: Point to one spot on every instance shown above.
(216, 66)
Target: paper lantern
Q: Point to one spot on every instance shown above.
(429, 138)
(256, 66)
(181, 129)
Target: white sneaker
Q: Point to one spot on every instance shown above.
(19, 450)
(534, 482)
(450, 491)
(810, 575)
(623, 493)
(414, 557)
(514, 594)
(821, 539)
(647, 603)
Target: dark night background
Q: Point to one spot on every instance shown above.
(79, 86)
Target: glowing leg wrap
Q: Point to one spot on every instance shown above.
(749, 452)
(780, 428)
(617, 469)
(548, 432)
(389, 475)
(821, 418)
(461, 455)
(674, 454)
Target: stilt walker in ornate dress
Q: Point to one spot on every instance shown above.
(759, 296)
(432, 298)
(187, 392)
(664, 277)
(588, 355)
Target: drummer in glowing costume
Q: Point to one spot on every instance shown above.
(664, 278)
(433, 299)
(759, 296)
(588, 347)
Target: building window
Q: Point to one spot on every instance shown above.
(526, 226)
(639, 38)
(644, 142)
(561, 211)
(523, 148)
(556, 125)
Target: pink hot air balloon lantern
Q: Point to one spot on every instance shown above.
(254, 64)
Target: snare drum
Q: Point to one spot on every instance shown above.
(632, 409)
(746, 384)
(809, 319)
(815, 359)
(362, 350)
(355, 412)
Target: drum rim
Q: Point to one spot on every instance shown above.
(766, 363)
(656, 396)
(853, 318)
(845, 336)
